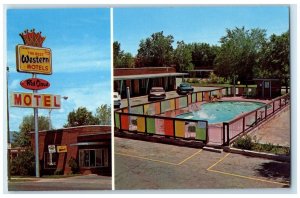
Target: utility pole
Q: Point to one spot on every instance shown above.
(8, 133)
(36, 137)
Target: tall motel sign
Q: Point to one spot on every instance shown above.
(32, 58)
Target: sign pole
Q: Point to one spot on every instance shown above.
(36, 137)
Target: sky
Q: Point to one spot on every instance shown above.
(194, 24)
(80, 43)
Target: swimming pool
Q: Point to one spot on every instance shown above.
(221, 111)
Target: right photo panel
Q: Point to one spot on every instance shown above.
(202, 97)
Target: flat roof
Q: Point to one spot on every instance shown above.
(200, 70)
(143, 76)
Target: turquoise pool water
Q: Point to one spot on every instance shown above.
(221, 111)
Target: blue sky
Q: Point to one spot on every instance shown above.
(194, 24)
(80, 44)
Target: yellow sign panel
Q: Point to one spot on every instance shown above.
(61, 149)
(34, 59)
(30, 100)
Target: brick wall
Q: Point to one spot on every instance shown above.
(68, 136)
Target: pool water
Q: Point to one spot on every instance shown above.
(221, 111)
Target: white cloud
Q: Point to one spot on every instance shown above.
(77, 59)
(91, 97)
(14, 84)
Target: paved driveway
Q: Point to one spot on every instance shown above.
(147, 165)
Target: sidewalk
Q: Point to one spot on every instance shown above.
(277, 130)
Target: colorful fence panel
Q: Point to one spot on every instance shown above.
(183, 102)
(141, 127)
(145, 118)
(206, 95)
(199, 96)
(167, 105)
(117, 119)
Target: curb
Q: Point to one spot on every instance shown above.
(160, 139)
(205, 148)
(282, 158)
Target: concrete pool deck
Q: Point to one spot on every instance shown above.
(277, 130)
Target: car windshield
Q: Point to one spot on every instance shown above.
(157, 90)
(184, 85)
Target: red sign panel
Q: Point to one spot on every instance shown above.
(35, 84)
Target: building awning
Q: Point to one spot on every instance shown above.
(95, 134)
(143, 76)
(88, 143)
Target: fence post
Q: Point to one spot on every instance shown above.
(227, 144)
(266, 111)
(174, 135)
(224, 133)
(280, 103)
(256, 117)
(243, 123)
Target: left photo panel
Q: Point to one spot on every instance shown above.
(58, 75)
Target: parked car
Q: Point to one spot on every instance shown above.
(157, 93)
(184, 88)
(117, 100)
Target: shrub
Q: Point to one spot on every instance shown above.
(23, 164)
(243, 143)
(73, 165)
(58, 172)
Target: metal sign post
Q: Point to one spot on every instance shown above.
(128, 99)
(36, 137)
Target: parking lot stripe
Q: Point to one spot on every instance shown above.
(190, 157)
(217, 162)
(241, 176)
(165, 162)
(146, 158)
(246, 177)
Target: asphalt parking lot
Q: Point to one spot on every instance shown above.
(148, 165)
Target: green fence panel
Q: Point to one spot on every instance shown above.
(201, 131)
(150, 125)
(117, 120)
(137, 109)
(183, 102)
(194, 97)
(165, 106)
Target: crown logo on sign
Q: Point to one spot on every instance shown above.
(32, 38)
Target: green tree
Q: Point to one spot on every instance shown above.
(183, 57)
(156, 50)
(239, 52)
(22, 139)
(203, 54)
(275, 61)
(80, 117)
(103, 114)
(122, 59)
(24, 163)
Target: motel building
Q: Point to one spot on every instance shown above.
(89, 146)
(141, 80)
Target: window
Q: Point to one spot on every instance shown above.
(93, 157)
